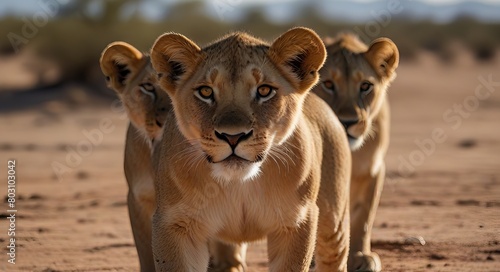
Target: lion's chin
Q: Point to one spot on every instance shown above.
(355, 143)
(235, 170)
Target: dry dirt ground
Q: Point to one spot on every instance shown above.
(448, 192)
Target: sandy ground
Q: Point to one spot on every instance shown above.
(448, 193)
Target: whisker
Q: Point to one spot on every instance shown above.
(193, 141)
(283, 156)
(201, 158)
(187, 154)
(194, 161)
(277, 153)
(271, 155)
(287, 152)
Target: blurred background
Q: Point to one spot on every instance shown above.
(71, 188)
(59, 41)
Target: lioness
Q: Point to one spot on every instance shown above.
(130, 74)
(246, 153)
(354, 82)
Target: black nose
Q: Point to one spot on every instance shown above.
(233, 139)
(348, 123)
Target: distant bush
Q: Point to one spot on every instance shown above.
(484, 52)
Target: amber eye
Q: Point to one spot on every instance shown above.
(265, 92)
(206, 92)
(366, 87)
(328, 86)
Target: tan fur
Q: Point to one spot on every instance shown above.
(130, 74)
(147, 112)
(264, 186)
(127, 71)
(366, 120)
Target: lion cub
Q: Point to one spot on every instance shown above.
(246, 152)
(130, 74)
(354, 82)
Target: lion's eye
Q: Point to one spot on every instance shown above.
(265, 92)
(328, 86)
(205, 93)
(148, 86)
(365, 87)
(148, 89)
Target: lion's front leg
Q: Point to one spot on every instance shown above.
(291, 248)
(179, 243)
(332, 245)
(365, 197)
(140, 219)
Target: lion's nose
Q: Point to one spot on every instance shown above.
(348, 123)
(233, 139)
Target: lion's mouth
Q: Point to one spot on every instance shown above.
(233, 158)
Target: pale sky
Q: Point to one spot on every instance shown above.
(31, 6)
(439, 1)
(444, 1)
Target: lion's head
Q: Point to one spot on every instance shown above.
(354, 82)
(238, 98)
(130, 74)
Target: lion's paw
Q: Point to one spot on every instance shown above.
(365, 262)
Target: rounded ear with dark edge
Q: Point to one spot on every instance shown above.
(120, 62)
(383, 56)
(174, 57)
(299, 53)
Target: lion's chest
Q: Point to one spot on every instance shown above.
(249, 212)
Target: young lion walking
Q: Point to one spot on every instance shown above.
(249, 153)
(354, 82)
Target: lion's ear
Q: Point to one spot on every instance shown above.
(120, 62)
(383, 56)
(174, 57)
(328, 40)
(299, 53)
